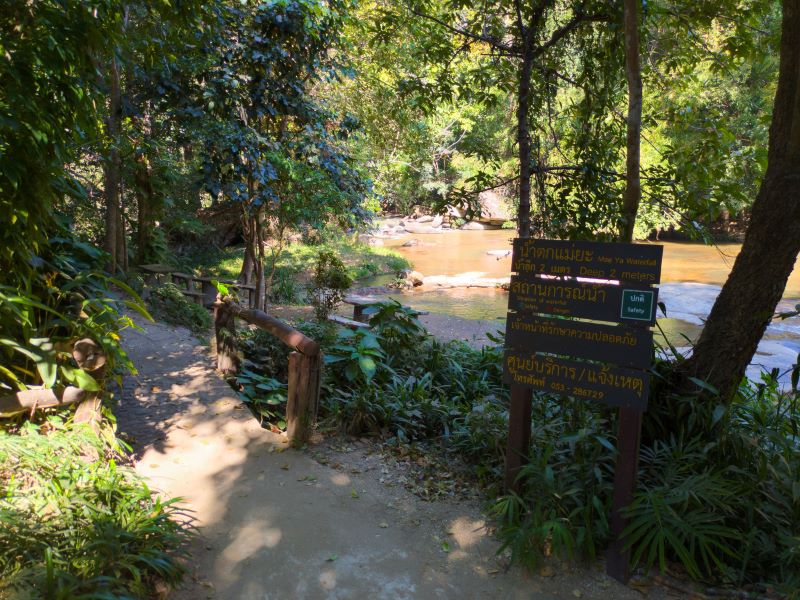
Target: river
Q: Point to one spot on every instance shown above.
(692, 275)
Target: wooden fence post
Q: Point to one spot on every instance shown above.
(628, 438)
(89, 356)
(225, 335)
(519, 436)
(303, 395)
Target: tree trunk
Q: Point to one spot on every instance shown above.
(144, 197)
(112, 166)
(122, 239)
(247, 274)
(524, 143)
(260, 282)
(633, 73)
(747, 302)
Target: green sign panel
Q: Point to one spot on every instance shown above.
(637, 305)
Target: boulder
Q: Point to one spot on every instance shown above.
(473, 226)
(369, 240)
(414, 278)
(411, 243)
(437, 221)
(495, 210)
(456, 212)
(421, 228)
(425, 219)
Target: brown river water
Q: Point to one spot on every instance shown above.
(692, 275)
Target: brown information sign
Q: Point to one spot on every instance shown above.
(551, 280)
(631, 263)
(619, 344)
(610, 385)
(571, 298)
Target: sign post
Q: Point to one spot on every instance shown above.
(552, 346)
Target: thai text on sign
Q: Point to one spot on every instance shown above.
(557, 284)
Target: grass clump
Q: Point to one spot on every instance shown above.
(77, 523)
(169, 304)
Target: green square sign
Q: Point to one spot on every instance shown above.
(637, 305)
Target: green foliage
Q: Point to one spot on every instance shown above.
(564, 507)
(328, 285)
(396, 325)
(75, 523)
(717, 488)
(298, 260)
(420, 388)
(268, 143)
(357, 353)
(48, 108)
(65, 298)
(168, 303)
(264, 395)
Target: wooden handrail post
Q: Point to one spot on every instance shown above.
(225, 335)
(305, 362)
(303, 395)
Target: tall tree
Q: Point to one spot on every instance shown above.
(754, 287)
(267, 139)
(520, 36)
(633, 75)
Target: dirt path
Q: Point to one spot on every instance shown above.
(276, 524)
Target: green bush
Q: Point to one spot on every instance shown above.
(718, 491)
(64, 296)
(265, 396)
(328, 286)
(76, 523)
(169, 304)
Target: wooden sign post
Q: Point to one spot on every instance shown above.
(551, 347)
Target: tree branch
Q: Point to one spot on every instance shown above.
(566, 29)
(493, 42)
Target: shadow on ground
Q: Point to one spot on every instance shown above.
(276, 524)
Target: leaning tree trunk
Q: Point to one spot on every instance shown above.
(633, 73)
(112, 166)
(755, 286)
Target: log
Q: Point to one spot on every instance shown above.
(89, 356)
(288, 335)
(303, 397)
(27, 400)
(225, 336)
(339, 320)
(89, 412)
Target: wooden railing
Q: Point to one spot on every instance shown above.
(305, 362)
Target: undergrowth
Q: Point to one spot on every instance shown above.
(167, 303)
(296, 261)
(719, 485)
(76, 523)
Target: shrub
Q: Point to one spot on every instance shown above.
(265, 395)
(168, 303)
(328, 285)
(75, 523)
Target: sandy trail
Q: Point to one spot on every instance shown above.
(276, 524)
